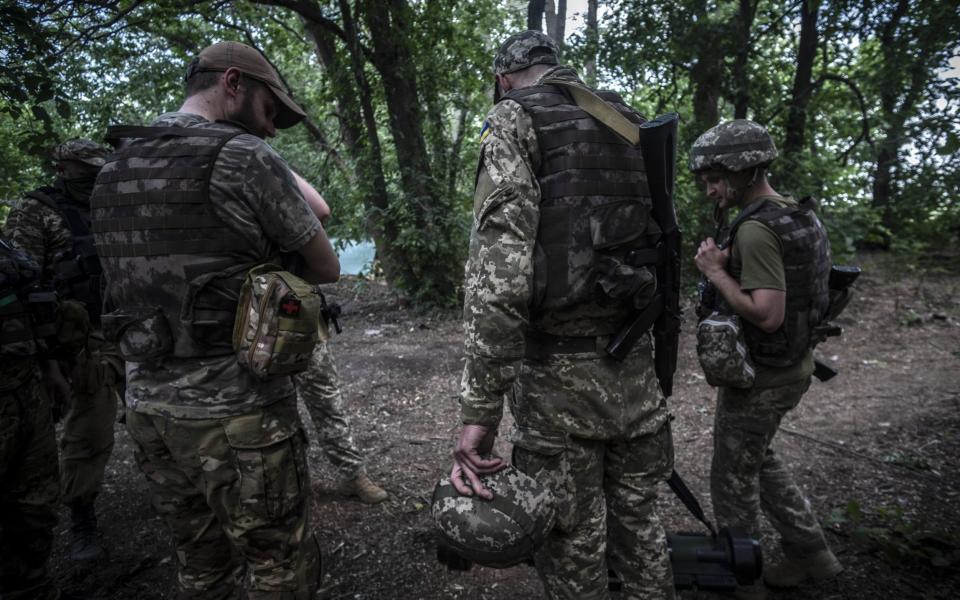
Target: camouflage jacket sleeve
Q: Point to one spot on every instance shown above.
(251, 178)
(499, 271)
(38, 230)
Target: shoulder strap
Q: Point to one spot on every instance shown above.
(42, 195)
(600, 110)
(689, 500)
(743, 216)
(119, 132)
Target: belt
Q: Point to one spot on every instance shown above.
(541, 346)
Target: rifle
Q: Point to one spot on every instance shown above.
(658, 144)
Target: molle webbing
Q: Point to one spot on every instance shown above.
(153, 195)
(806, 265)
(594, 211)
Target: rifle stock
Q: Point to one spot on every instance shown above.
(658, 144)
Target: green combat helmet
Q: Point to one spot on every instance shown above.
(735, 145)
(495, 533)
(525, 49)
(81, 150)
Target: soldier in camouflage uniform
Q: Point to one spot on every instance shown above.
(53, 224)
(29, 486)
(223, 452)
(319, 388)
(772, 271)
(560, 205)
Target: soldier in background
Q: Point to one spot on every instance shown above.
(772, 271)
(223, 451)
(560, 202)
(319, 389)
(29, 481)
(52, 223)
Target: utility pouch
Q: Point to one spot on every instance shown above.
(278, 322)
(722, 352)
(140, 333)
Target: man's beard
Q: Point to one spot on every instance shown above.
(246, 115)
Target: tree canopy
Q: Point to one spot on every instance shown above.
(856, 94)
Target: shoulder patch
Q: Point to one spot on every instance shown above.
(484, 131)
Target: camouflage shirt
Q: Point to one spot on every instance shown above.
(262, 204)
(40, 230)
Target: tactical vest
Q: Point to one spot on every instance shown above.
(806, 265)
(76, 272)
(595, 245)
(166, 254)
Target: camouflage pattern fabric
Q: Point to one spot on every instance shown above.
(747, 475)
(499, 532)
(319, 389)
(278, 323)
(722, 353)
(235, 494)
(577, 414)
(517, 52)
(252, 191)
(96, 380)
(29, 489)
(733, 145)
(40, 231)
(87, 441)
(81, 150)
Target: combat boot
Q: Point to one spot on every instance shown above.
(84, 545)
(791, 573)
(361, 487)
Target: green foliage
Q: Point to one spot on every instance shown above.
(71, 69)
(899, 541)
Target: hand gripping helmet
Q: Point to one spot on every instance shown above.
(735, 145)
(495, 533)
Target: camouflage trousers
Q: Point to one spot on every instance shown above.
(319, 389)
(29, 492)
(606, 487)
(87, 441)
(235, 494)
(746, 475)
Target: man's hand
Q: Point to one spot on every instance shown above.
(475, 441)
(710, 259)
(58, 389)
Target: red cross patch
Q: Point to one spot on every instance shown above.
(289, 307)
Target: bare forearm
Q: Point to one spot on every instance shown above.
(746, 304)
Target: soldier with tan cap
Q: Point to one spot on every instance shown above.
(184, 209)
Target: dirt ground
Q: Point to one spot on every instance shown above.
(876, 447)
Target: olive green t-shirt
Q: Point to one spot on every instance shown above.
(756, 261)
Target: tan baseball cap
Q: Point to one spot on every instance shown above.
(223, 55)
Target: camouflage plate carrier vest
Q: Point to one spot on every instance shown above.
(166, 254)
(594, 251)
(76, 272)
(806, 265)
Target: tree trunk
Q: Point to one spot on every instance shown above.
(556, 11)
(741, 96)
(802, 84)
(535, 14)
(592, 45)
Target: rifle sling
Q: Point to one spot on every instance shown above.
(598, 108)
(680, 488)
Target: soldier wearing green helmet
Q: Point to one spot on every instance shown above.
(52, 223)
(770, 268)
(561, 205)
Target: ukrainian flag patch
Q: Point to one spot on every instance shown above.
(484, 131)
